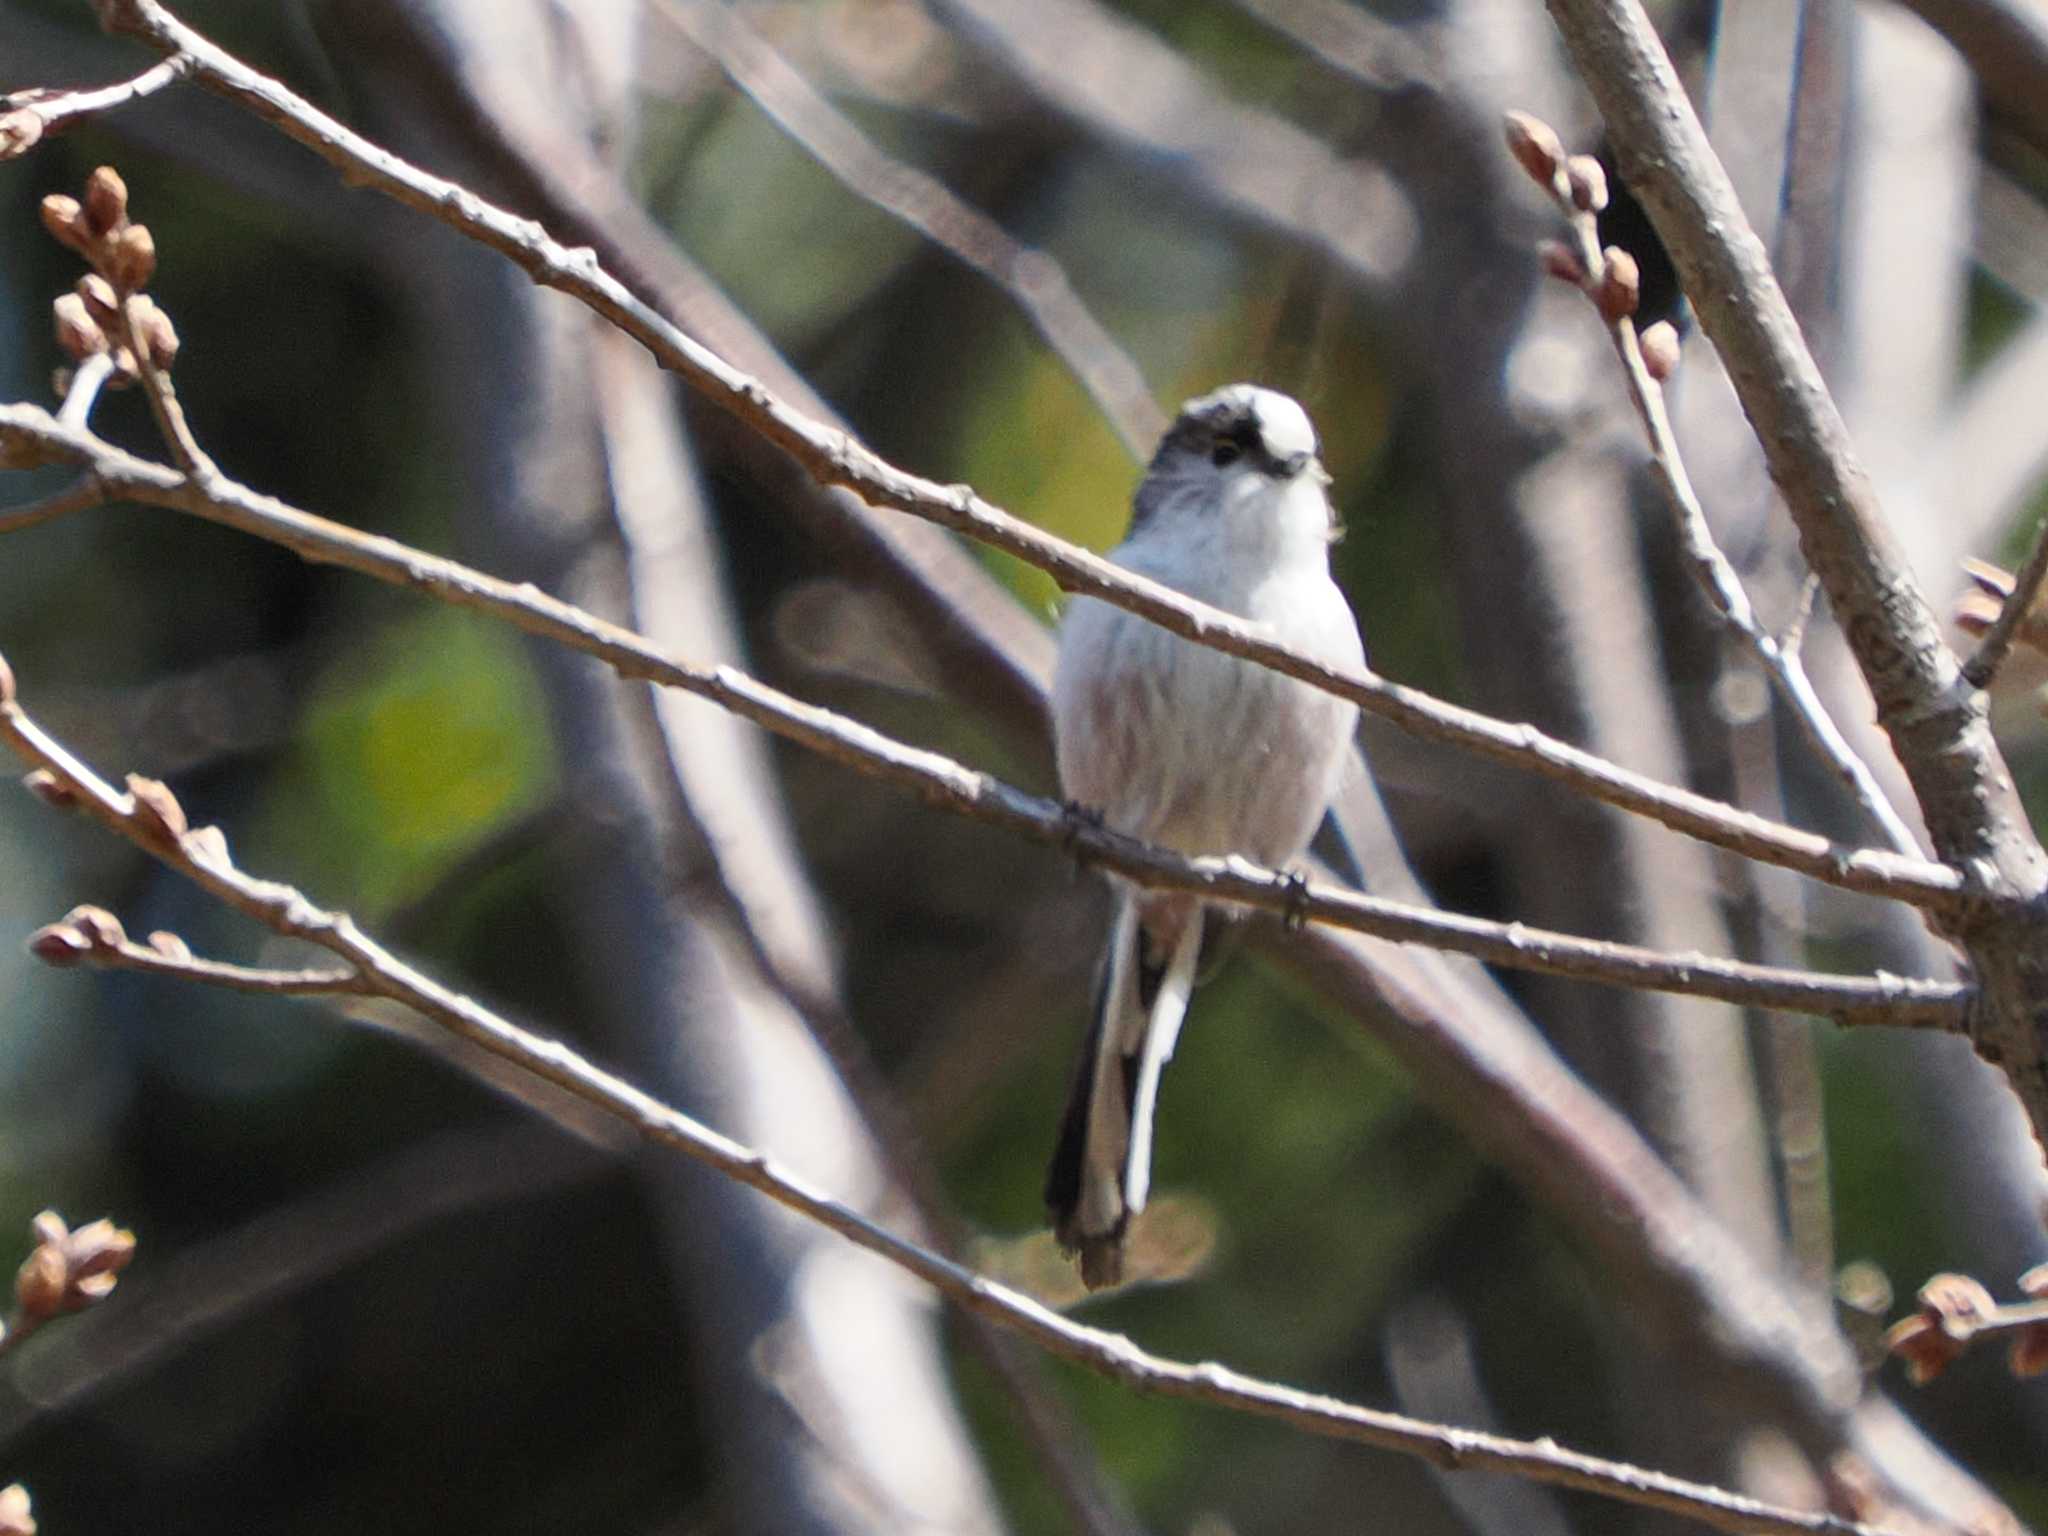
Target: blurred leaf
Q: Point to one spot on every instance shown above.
(413, 755)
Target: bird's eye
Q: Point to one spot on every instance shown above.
(1225, 453)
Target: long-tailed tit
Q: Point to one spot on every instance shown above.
(1184, 746)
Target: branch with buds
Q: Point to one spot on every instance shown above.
(1956, 1311)
(67, 1271)
(28, 117)
(108, 325)
(1611, 280)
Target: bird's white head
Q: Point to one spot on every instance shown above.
(1238, 472)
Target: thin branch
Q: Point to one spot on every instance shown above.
(209, 1285)
(92, 936)
(1937, 723)
(943, 782)
(235, 978)
(1793, 640)
(84, 389)
(1609, 285)
(163, 400)
(151, 819)
(2019, 604)
(2006, 45)
(82, 493)
(1031, 278)
(1121, 82)
(27, 117)
(1379, 54)
(30, 437)
(835, 458)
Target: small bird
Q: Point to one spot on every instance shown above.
(1183, 746)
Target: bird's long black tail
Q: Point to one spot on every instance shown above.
(1101, 1167)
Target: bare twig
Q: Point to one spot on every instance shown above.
(1377, 53)
(26, 117)
(943, 782)
(2006, 44)
(84, 389)
(1794, 637)
(80, 494)
(1124, 83)
(1991, 650)
(163, 401)
(93, 936)
(152, 820)
(1030, 277)
(29, 437)
(1607, 278)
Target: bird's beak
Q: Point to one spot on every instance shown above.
(1318, 473)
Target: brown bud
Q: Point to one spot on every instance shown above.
(50, 789)
(1956, 1302)
(1998, 582)
(1660, 350)
(169, 945)
(65, 221)
(78, 334)
(1561, 262)
(106, 201)
(20, 131)
(1621, 285)
(100, 927)
(69, 1270)
(40, 1283)
(59, 945)
(209, 845)
(2028, 1353)
(157, 808)
(101, 301)
(1535, 146)
(1920, 1342)
(158, 335)
(97, 1253)
(15, 1516)
(1588, 182)
(131, 259)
